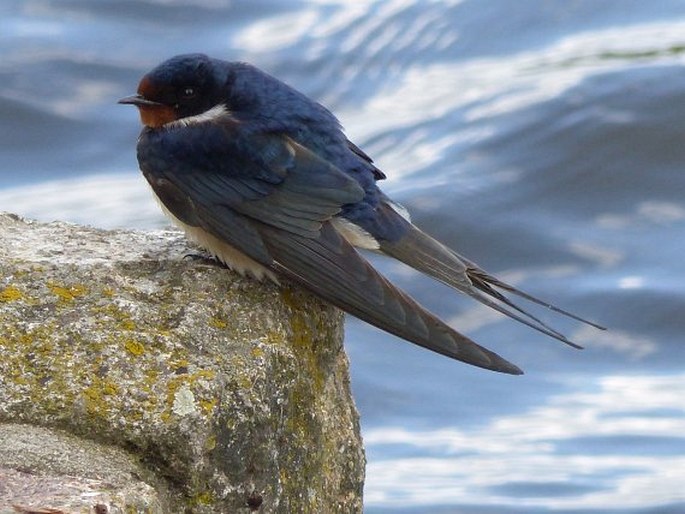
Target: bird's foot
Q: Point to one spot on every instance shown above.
(204, 258)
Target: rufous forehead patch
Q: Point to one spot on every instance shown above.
(147, 88)
(153, 115)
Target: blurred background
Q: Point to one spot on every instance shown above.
(544, 139)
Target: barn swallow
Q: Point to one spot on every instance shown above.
(265, 179)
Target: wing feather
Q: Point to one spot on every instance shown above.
(266, 177)
(273, 200)
(330, 267)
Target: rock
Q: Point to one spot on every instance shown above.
(50, 469)
(230, 394)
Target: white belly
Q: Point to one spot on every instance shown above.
(231, 257)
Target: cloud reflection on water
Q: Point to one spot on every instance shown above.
(483, 465)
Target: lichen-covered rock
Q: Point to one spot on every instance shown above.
(233, 392)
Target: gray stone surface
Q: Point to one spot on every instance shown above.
(232, 394)
(50, 469)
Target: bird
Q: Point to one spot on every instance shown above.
(265, 179)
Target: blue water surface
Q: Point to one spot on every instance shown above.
(543, 139)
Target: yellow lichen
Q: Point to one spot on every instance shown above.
(210, 443)
(204, 498)
(217, 322)
(94, 402)
(244, 381)
(181, 363)
(134, 347)
(207, 406)
(10, 294)
(67, 294)
(304, 336)
(110, 388)
(307, 331)
(127, 324)
(205, 374)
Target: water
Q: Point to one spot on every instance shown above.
(542, 139)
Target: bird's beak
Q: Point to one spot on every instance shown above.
(138, 100)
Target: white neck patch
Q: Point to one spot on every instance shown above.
(210, 115)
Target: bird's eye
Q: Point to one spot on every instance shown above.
(188, 92)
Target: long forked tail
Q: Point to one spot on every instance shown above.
(331, 268)
(422, 252)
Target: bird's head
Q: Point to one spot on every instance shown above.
(183, 86)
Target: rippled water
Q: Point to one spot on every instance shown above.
(542, 139)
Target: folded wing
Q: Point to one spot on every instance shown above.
(273, 200)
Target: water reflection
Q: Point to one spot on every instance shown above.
(632, 346)
(644, 214)
(107, 201)
(470, 96)
(543, 456)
